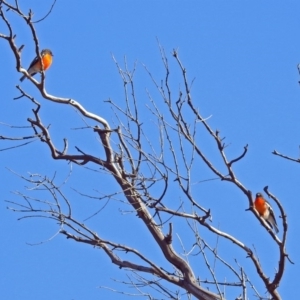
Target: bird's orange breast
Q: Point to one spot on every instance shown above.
(260, 205)
(47, 61)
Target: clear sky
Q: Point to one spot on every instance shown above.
(243, 56)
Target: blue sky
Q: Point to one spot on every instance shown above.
(243, 57)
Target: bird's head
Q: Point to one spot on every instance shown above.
(46, 51)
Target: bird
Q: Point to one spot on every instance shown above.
(36, 65)
(265, 210)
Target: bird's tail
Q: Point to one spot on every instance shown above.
(271, 221)
(276, 228)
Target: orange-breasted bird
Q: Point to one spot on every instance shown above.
(265, 210)
(36, 65)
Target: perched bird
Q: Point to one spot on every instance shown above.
(36, 65)
(265, 210)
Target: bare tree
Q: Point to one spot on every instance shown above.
(148, 160)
